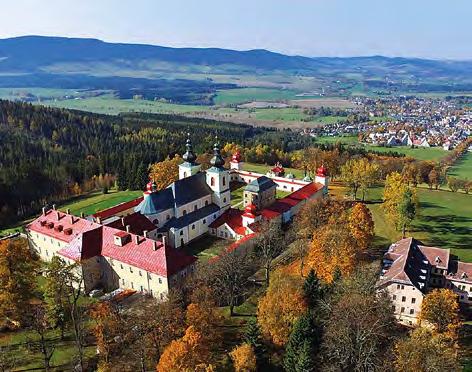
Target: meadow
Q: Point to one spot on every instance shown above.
(243, 95)
(463, 167)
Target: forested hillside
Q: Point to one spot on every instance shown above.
(46, 151)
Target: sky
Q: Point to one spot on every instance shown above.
(437, 29)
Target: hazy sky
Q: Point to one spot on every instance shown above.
(421, 28)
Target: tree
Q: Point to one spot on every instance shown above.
(244, 359)
(204, 319)
(18, 270)
(312, 289)
(165, 172)
(361, 225)
(253, 336)
(280, 307)
(454, 184)
(425, 351)
(40, 325)
(441, 309)
(302, 345)
(332, 248)
(229, 276)
(399, 201)
(106, 329)
(141, 178)
(434, 179)
(184, 354)
(406, 210)
(269, 244)
(56, 293)
(359, 174)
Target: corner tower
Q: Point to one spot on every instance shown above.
(190, 166)
(217, 178)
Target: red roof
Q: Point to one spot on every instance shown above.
(110, 212)
(233, 218)
(136, 221)
(55, 218)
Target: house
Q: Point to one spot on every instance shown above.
(411, 269)
(261, 192)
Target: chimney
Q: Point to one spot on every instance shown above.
(99, 220)
(145, 233)
(54, 206)
(123, 221)
(68, 210)
(154, 246)
(82, 215)
(44, 211)
(136, 239)
(128, 228)
(72, 219)
(58, 216)
(164, 238)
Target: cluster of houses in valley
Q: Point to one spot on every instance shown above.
(405, 121)
(141, 245)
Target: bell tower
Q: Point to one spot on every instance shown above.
(190, 166)
(218, 178)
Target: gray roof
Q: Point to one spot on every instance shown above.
(260, 184)
(190, 218)
(177, 194)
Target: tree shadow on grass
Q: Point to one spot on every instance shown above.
(447, 230)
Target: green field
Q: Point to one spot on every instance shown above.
(263, 169)
(463, 167)
(445, 220)
(243, 95)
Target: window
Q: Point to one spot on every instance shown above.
(121, 266)
(132, 285)
(130, 269)
(195, 207)
(412, 311)
(398, 286)
(140, 274)
(393, 308)
(402, 310)
(204, 221)
(58, 244)
(403, 298)
(162, 296)
(224, 181)
(167, 217)
(181, 233)
(206, 203)
(142, 289)
(155, 222)
(185, 174)
(193, 227)
(122, 281)
(394, 297)
(224, 200)
(184, 212)
(403, 287)
(212, 181)
(149, 276)
(160, 281)
(413, 300)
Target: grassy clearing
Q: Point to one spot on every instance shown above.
(206, 247)
(445, 220)
(463, 167)
(263, 169)
(242, 95)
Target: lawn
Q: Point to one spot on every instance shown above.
(207, 247)
(243, 95)
(263, 169)
(463, 167)
(445, 220)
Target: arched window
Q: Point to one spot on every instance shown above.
(185, 174)
(206, 203)
(156, 222)
(212, 182)
(184, 212)
(195, 207)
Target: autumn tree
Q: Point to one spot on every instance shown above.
(40, 325)
(244, 359)
(425, 351)
(361, 226)
(18, 270)
(399, 201)
(106, 328)
(434, 179)
(332, 247)
(280, 307)
(184, 354)
(440, 308)
(359, 174)
(269, 244)
(202, 316)
(165, 172)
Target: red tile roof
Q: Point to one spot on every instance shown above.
(46, 224)
(113, 211)
(136, 221)
(233, 218)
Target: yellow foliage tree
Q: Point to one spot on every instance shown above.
(281, 306)
(165, 172)
(185, 354)
(244, 359)
(361, 226)
(17, 279)
(359, 174)
(424, 351)
(332, 247)
(440, 308)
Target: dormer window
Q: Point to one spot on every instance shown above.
(212, 181)
(463, 276)
(121, 238)
(437, 260)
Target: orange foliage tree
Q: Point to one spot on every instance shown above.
(332, 247)
(441, 309)
(184, 354)
(165, 172)
(106, 328)
(281, 306)
(204, 319)
(361, 226)
(244, 359)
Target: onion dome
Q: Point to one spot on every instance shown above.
(307, 178)
(217, 160)
(189, 155)
(290, 176)
(322, 171)
(236, 158)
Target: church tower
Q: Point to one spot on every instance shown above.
(217, 177)
(190, 166)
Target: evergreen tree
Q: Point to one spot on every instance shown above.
(122, 181)
(141, 178)
(312, 289)
(303, 344)
(253, 337)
